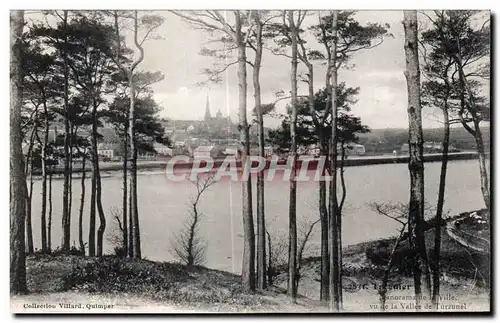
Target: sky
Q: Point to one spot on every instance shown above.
(382, 100)
(378, 72)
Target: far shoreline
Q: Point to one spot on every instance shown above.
(146, 165)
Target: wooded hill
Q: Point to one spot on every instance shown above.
(382, 141)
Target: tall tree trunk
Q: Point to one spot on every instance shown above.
(339, 220)
(261, 220)
(43, 217)
(126, 235)
(17, 175)
(323, 212)
(134, 214)
(292, 210)
(49, 221)
(82, 203)
(485, 186)
(70, 182)
(130, 229)
(29, 227)
(439, 209)
(416, 162)
(248, 266)
(333, 205)
(98, 189)
(66, 221)
(29, 187)
(92, 230)
(124, 197)
(270, 266)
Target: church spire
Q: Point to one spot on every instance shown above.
(208, 116)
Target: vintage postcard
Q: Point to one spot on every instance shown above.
(250, 161)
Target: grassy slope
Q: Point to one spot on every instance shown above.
(161, 287)
(168, 287)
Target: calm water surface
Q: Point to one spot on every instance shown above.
(163, 207)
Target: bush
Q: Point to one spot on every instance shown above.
(113, 274)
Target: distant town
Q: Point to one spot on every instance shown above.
(217, 136)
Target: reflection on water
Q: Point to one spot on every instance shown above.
(163, 207)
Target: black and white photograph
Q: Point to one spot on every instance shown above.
(250, 161)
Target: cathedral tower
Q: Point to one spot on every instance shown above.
(208, 116)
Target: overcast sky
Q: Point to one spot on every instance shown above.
(378, 72)
(382, 100)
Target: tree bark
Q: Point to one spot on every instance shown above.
(248, 266)
(29, 188)
(66, 221)
(270, 266)
(70, 181)
(485, 186)
(96, 176)
(292, 210)
(134, 214)
(126, 235)
(92, 230)
(124, 197)
(43, 216)
(339, 221)
(323, 211)
(49, 224)
(261, 221)
(82, 204)
(333, 205)
(439, 209)
(29, 227)
(17, 175)
(416, 163)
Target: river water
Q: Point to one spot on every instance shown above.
(163, 207)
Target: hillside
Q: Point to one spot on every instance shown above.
(383, 141)
(110, 284)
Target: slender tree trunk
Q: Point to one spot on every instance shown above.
(339, 220)
(43, 216)
(385, 279)
(126, 235)
(29, 189)
(17, 175)
(92, 230)
(485, 186)
(102, 217)
(416, 163)
(70, 182)
(130, 230)
(261, 220)
(66, 221)
(124, 197)
(323, 212)
(333, 205)
(270, 268)
(98, 189)
(82, 204)
(49, 224)
(439, 209)
(134, 214)
(248, 266)
(29, 228)
(292, 210)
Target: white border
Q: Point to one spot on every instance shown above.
(190, 4)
